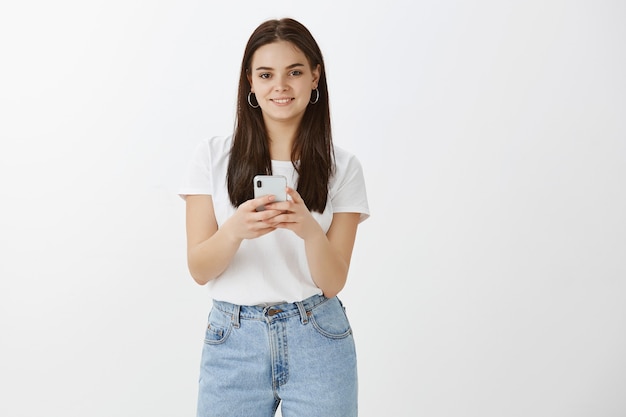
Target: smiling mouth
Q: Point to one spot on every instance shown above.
(281, 100)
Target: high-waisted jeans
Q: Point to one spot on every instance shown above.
(300, 355)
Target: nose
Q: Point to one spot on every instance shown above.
(280, 83)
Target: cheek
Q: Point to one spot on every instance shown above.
(260, 89)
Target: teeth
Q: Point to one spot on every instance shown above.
(282, 100)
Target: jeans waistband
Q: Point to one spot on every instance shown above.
(277, 311)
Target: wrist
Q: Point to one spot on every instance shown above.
(227, 236)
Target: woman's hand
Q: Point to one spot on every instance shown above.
(247, 223)
(210, 249)
(295, 216)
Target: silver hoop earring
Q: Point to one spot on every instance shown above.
(250, 101)
(317, 96)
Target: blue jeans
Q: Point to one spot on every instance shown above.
(299, 354)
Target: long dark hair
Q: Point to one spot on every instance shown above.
(312, 153)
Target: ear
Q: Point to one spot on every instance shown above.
(249, 80)
(316, 75)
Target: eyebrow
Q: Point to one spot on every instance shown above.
(288, 67)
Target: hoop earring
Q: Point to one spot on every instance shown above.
(317, 96)
(250, 101)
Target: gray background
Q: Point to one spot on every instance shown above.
(489, 281)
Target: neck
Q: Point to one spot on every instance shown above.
(281, 138)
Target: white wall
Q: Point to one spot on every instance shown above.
(489, 281)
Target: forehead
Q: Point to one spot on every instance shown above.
(278, 55)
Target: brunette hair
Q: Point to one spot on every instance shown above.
(312, 154)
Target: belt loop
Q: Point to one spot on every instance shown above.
(236, 313)
(303, 317)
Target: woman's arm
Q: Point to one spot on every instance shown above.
(210, 249)
(328, 255)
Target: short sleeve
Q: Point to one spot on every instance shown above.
(348, 192)
(198, 178)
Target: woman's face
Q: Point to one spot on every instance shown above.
(282, 80)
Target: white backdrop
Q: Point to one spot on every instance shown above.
(489, 281)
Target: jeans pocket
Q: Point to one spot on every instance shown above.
(218, 328)
(330, 320)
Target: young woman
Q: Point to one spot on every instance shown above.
(277, 333)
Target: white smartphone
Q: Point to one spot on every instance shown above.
(270, 184)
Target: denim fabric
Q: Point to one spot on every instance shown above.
(299, 355)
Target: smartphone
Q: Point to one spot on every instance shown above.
(270, 184)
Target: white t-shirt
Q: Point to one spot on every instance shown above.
(272, 268)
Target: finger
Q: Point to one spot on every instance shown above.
(267, 214)
(281, 206)
(262, 201)
(278, 218)
(261, 231)
(295, 196)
